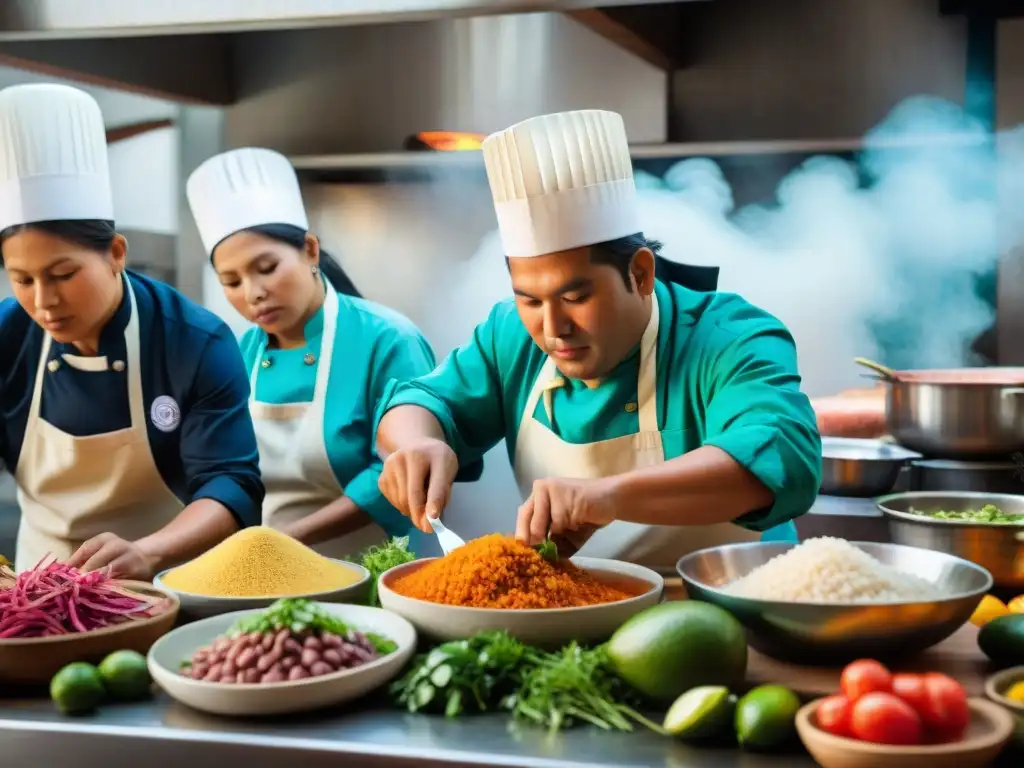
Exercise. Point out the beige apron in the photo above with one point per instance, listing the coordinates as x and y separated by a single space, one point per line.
73 488
294 464
540 453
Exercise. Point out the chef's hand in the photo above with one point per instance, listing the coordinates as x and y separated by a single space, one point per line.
125 559
417 480
558 506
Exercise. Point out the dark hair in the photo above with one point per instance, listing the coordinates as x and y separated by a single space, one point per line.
91 234
294 236
619 253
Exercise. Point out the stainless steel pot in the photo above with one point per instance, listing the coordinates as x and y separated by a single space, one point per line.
966 413
997 548
860 468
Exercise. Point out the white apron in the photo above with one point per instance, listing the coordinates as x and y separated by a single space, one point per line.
73 488
540 453
294 465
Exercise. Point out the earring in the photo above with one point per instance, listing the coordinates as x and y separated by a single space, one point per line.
316 269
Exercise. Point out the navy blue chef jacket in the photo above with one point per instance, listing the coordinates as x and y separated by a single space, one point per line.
187 353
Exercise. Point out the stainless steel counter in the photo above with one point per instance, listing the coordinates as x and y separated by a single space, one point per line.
163 733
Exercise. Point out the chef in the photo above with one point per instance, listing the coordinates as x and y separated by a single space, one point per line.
318 359
123 413
644 419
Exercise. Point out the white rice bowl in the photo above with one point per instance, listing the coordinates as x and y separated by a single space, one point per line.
831 570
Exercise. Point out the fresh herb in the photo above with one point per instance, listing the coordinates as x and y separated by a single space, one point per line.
548 550
378 559
299 615
576 685
493 671
464 676
989 514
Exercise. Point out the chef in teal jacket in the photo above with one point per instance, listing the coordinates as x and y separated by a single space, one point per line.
319 358
644 419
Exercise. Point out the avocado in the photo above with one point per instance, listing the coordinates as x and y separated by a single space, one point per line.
1002 640
672 647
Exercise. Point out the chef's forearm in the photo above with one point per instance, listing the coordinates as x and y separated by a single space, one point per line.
703 487
404 425
339 518
202 524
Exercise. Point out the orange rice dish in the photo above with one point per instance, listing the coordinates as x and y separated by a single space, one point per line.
497 571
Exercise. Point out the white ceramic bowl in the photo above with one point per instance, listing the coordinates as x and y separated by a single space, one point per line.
194 607
540 626
234 699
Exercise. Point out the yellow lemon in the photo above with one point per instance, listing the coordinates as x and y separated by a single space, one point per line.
990 608
1016 605
1016 692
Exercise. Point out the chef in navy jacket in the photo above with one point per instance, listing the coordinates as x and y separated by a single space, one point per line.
123 405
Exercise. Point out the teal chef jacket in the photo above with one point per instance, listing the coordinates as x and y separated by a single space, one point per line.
373 346
727 376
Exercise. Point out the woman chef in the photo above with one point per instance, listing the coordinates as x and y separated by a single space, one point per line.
319 359
126 453
675 413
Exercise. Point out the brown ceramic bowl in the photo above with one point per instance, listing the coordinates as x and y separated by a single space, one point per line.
33 661
990 729
998 684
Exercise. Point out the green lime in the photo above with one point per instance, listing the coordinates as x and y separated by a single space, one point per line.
125 675
670 648
77 688
1002 639
700 713
766 717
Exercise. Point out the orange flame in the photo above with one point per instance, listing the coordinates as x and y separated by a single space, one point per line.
449 141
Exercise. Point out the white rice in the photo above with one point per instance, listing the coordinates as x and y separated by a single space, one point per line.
831 570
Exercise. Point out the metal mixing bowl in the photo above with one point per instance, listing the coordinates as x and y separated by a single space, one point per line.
997 548
831 633
862 468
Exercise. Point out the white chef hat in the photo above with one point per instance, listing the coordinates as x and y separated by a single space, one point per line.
53 156
244 188
562 181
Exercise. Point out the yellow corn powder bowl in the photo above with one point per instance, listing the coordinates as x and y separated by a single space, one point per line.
255 567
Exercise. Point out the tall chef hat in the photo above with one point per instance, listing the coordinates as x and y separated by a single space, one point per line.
53 156
562 181
244 188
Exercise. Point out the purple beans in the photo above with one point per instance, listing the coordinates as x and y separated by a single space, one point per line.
279 656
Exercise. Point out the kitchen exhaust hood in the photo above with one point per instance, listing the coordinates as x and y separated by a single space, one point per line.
194 51
64 19
397 166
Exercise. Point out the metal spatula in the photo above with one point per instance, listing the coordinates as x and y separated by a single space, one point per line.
445 538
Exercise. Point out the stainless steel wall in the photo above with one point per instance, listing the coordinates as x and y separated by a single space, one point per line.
806 69
1010 114
368 88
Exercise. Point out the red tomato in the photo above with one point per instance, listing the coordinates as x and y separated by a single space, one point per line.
945 709
911 689
863 677
833 715
882 718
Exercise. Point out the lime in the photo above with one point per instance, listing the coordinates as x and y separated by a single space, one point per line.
701 712
766 717
1002 639
77 688
125 675
670 648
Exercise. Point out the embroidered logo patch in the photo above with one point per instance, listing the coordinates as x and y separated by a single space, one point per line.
165 414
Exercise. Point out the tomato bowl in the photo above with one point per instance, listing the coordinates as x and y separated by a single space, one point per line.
989 729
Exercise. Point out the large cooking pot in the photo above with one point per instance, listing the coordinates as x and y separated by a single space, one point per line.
961 413
997 548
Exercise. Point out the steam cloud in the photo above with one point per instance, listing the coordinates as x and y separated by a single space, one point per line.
898 237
